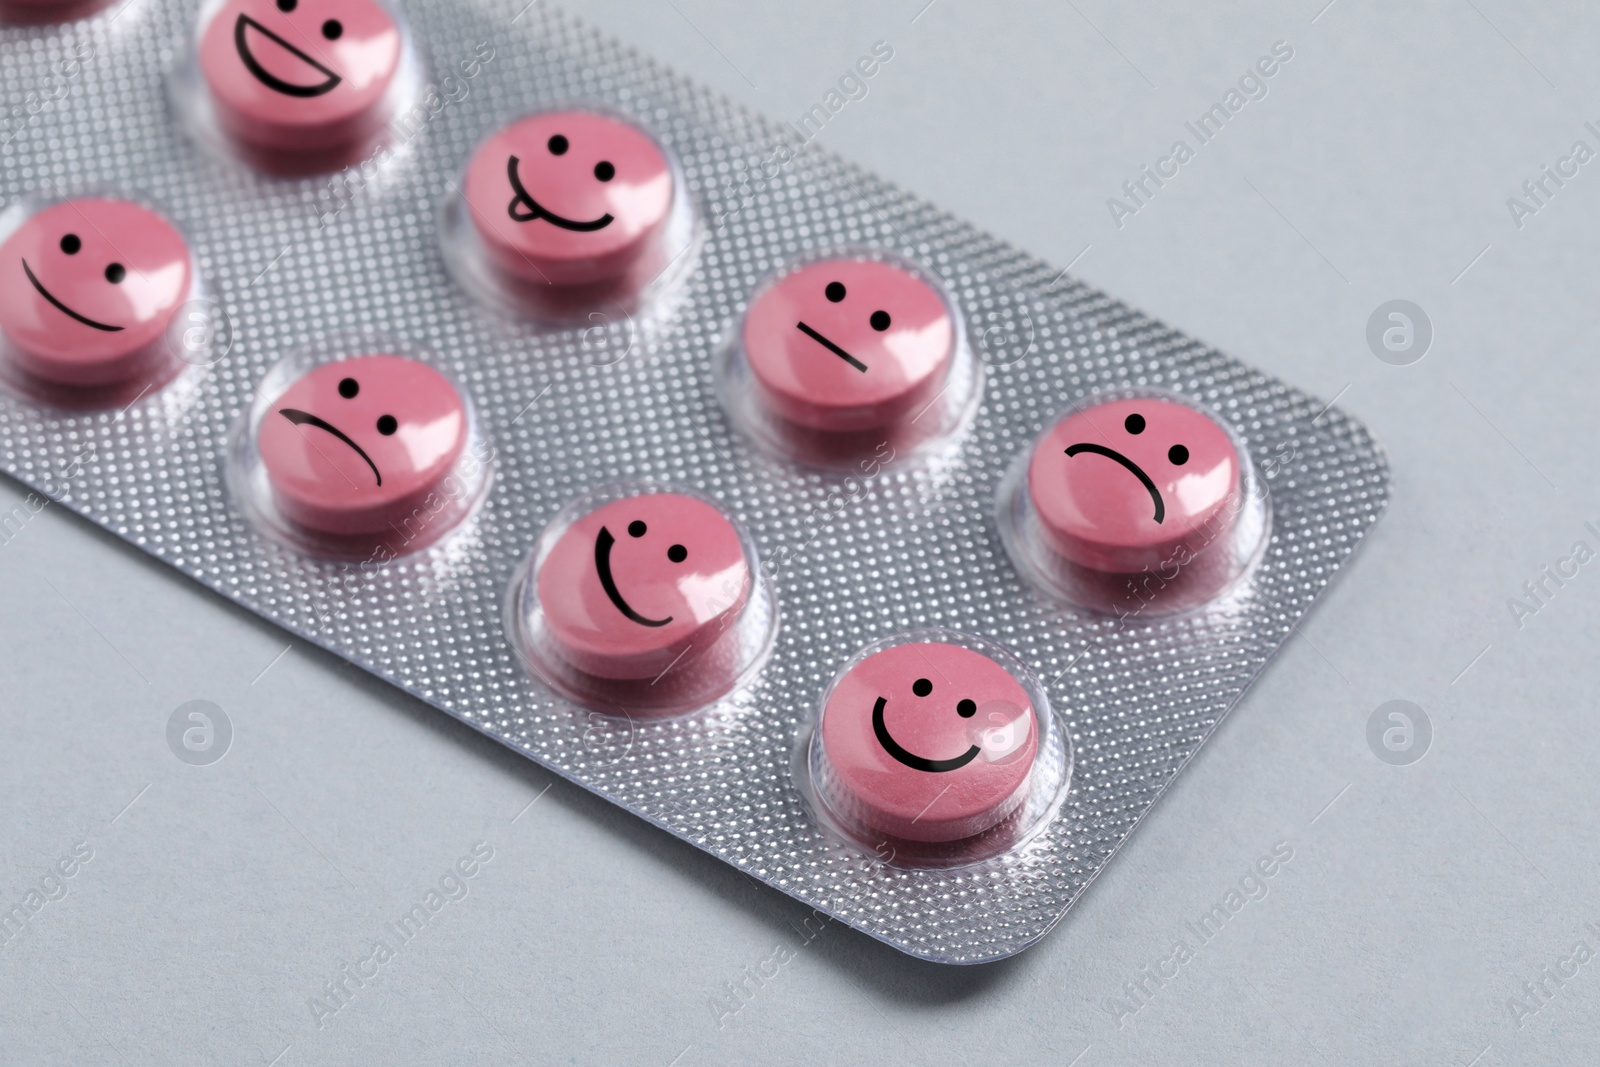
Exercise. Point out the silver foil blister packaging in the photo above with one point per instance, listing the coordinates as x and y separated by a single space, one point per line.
852 555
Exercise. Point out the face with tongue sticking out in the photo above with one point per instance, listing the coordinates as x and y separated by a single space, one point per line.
301 74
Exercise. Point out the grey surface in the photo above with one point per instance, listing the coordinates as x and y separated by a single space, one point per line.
1419 898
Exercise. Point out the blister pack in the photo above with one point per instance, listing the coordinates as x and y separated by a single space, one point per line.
736 485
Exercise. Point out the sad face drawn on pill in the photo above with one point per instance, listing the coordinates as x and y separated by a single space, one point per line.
300 73
1118 483
849 344
88 287
568 197
353 446
638 582
929 741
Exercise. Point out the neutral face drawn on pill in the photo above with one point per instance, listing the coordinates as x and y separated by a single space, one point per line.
966 708
604 542
848 343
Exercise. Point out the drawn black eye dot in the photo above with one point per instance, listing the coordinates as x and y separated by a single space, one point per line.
834 291
332 29
348 388
677 553
604 171
557 145
387 424
1178 454
879 320
1134 423
115 272
636 528
966 709
287 6
70 244
922 687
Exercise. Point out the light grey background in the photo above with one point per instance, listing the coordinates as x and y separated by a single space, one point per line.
1419 900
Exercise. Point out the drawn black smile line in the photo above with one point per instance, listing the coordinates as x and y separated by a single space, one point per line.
305 418
911 759
602 566
59 306
266 77
831 347
1101 450
532 209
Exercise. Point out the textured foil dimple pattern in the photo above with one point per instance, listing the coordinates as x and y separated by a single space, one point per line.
915 546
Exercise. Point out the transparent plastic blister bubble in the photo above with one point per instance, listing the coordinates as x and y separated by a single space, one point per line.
328 424
848 552
295 87
101 300
936 748
1134 502
847 355
572 214
645 599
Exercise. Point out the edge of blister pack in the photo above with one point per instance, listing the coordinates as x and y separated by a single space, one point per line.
897 545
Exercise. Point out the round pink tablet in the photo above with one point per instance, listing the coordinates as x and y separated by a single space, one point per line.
929 741
640 584
301 74
357 446
88 289
1127 484
849 344
569 197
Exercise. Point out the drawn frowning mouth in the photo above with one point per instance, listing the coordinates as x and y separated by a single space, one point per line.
305 418
1101 450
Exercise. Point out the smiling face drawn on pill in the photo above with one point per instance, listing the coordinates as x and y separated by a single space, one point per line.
636 583
355 446
848 344
1118 485
300 73
568 197
929 741
604 542
88 288
966 708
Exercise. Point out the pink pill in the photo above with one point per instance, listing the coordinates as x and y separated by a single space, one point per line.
43 12
1135 483
89 290
643 584
928 742
569 197
358 446
301 74
849 344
